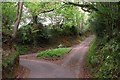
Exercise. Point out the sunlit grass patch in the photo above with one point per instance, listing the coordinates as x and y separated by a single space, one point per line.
57 52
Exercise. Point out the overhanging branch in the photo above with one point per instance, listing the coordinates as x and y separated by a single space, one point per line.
88 6
47 11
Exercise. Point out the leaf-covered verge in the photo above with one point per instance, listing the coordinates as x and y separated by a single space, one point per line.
57 52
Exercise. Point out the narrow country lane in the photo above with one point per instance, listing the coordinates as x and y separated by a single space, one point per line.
76 60
40 69
72 66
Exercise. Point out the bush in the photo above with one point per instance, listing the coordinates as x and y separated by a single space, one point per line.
104 60
29 35
9 60
22 49
91 51
24 35
70 31
9 65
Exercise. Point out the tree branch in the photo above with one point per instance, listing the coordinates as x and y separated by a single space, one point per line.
88 6
47 11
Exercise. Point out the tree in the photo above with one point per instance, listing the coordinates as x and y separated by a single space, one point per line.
8 16
104 52
18 17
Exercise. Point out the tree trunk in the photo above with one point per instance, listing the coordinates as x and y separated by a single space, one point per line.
18 17
35 19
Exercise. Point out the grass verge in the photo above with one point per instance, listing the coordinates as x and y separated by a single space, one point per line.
91 51
57 52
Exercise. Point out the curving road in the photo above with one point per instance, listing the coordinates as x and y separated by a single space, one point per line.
76 60
72 66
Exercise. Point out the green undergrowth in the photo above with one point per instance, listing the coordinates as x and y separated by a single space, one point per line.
57 52
9 60
91 50
104 58
22 49
9 65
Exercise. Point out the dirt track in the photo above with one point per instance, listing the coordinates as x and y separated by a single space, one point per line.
72 66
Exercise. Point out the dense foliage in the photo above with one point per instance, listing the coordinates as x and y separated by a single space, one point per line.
65 21
104 53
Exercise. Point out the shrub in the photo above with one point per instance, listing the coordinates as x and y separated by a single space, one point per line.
22 49
104 60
